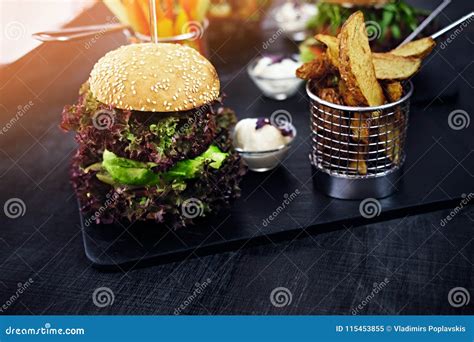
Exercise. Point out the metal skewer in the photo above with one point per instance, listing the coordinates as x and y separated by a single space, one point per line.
425 22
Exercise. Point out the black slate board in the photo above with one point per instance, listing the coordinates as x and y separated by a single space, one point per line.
438 171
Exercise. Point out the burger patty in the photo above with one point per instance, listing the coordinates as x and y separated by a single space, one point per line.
161 138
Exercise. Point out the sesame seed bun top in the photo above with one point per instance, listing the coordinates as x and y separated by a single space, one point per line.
155 78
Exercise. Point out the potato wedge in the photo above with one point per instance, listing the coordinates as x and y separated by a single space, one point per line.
391 67
359 165
332 127
314 70
336 127
390 138
393 91
332 44
346 95
356 66
360 123
419 48
382 61
330 80
332 119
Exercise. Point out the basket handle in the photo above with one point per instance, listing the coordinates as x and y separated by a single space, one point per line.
425 22
453 25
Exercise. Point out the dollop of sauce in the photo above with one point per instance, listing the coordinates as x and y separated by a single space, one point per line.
257 135
276 67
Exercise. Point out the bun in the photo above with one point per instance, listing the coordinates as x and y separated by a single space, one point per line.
154 77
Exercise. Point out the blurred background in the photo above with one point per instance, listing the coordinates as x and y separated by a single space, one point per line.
220 28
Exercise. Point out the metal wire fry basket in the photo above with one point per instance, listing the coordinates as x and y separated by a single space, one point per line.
358 152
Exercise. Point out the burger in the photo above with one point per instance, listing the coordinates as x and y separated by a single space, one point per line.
388 22
153 138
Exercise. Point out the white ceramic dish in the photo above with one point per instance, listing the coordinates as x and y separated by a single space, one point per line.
277 88
262 161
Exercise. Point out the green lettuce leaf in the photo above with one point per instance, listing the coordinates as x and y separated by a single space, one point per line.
306 55
130 172
166 130
188 169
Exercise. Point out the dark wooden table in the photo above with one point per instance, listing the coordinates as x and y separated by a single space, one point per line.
418 258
